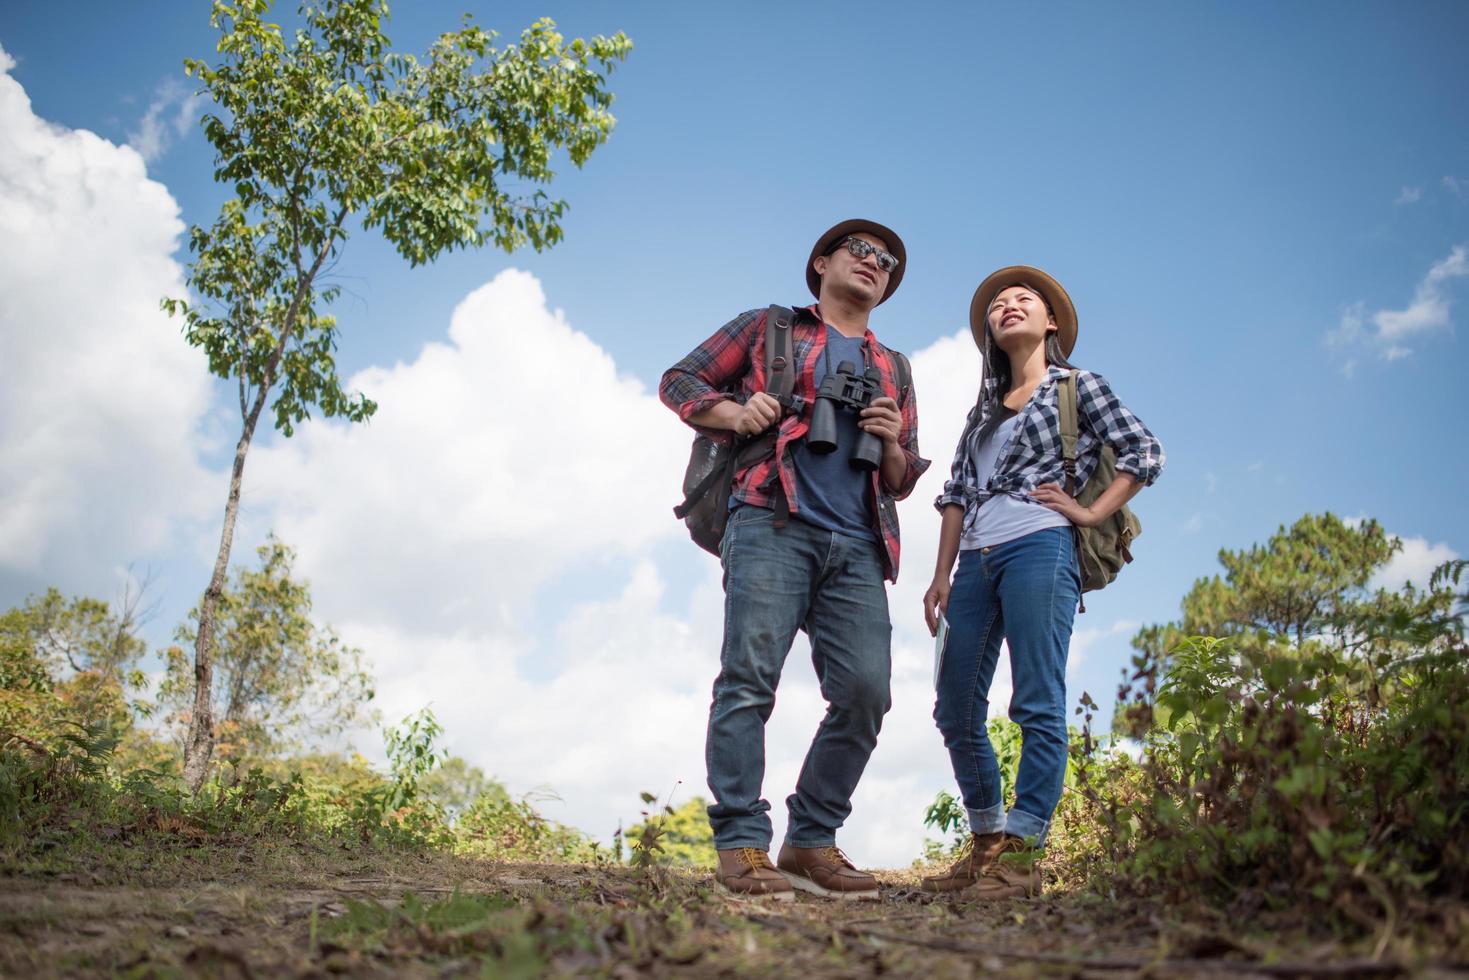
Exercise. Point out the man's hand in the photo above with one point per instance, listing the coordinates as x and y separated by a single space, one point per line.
882 419
757 414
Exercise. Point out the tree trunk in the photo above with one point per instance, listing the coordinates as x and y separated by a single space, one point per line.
199 743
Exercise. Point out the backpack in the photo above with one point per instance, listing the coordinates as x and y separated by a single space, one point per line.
714 460
1101 551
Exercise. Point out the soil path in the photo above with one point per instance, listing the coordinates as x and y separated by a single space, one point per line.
451 918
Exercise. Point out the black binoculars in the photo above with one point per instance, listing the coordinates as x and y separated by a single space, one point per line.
849 391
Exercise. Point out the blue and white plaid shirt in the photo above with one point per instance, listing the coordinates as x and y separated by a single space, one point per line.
1033 454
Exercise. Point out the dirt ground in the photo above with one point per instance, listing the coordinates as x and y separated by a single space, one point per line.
309 912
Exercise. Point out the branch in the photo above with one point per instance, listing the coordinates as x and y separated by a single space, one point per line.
245 366
62 647
35 747
303 283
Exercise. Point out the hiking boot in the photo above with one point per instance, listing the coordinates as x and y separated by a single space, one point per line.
1015 872
747 871
825 871
975 857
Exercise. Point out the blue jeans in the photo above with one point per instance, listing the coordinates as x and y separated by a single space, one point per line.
1025 592
777 581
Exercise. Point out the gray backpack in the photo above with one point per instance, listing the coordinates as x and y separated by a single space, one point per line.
714 460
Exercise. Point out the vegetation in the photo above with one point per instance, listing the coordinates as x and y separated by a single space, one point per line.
280 680
1284 794
1313 751
331 126
673 836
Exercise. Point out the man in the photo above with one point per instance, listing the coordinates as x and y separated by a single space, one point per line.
810 539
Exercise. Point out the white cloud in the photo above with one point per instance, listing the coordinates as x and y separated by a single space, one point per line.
496 462
1430 307
1457 186
495 546
498 539
100 398
168 118
1409 195
1414 563
1388 331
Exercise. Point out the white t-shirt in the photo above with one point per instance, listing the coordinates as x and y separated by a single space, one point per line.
1003 517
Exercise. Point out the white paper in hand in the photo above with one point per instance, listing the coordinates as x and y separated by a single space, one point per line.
940 640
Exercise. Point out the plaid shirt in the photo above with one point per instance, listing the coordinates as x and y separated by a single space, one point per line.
1033 454
731 366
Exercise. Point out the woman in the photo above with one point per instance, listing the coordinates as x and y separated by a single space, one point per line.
1012 526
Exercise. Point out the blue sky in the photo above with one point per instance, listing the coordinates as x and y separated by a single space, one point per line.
1261 211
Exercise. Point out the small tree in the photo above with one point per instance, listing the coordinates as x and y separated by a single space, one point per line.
71 661
456 784
1310 583
281 677
679 835
330 127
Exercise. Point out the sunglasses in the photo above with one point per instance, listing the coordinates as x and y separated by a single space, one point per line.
886 261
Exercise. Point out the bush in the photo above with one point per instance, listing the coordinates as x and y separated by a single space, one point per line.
1294 773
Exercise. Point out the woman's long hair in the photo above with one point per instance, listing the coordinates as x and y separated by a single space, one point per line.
997 366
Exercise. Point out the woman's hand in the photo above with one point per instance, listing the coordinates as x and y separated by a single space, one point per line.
935 599
1051 495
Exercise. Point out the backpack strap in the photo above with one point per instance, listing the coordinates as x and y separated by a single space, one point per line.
780 383
780 373
902 372
1066 408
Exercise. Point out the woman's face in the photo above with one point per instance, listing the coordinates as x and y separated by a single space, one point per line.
1018 318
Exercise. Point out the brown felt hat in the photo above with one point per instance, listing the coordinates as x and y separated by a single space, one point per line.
1055 295
837 232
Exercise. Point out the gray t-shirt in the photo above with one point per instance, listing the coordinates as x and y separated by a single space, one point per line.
833 495
1003 517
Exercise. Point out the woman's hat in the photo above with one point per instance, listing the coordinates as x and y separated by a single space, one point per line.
1055 295
836 233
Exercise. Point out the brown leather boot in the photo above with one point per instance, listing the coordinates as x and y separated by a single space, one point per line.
975 857
1015 872
747 872
827 872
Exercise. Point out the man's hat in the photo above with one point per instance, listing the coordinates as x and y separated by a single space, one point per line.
1051 291
836 233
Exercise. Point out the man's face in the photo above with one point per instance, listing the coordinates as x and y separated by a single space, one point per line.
1019 313
860 280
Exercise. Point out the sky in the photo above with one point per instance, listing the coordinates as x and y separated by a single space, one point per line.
1261 211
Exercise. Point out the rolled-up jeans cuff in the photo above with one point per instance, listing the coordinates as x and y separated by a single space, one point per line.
990 820
1022 824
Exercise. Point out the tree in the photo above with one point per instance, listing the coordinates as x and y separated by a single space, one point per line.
71 660
281 677
332 126
1309 584
682 834
455 785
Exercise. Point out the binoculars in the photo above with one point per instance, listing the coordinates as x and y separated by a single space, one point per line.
851 392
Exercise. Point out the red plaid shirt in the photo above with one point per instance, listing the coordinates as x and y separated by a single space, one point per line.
731 365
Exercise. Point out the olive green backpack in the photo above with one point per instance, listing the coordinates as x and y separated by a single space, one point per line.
1101 551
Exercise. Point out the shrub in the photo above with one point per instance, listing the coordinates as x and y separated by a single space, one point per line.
1295 773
